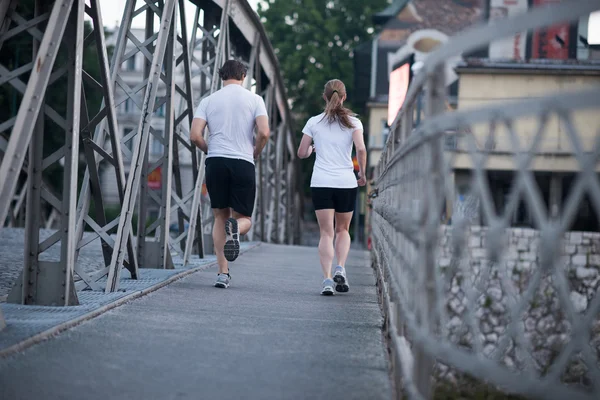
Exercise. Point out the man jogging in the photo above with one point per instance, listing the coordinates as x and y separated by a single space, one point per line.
230 114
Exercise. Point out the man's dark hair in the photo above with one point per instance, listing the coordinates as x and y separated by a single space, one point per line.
232 69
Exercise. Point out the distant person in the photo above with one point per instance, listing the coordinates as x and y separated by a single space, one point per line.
334 185
230 114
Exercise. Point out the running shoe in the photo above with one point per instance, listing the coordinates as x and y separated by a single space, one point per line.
232 243
223 281
327 287
339 277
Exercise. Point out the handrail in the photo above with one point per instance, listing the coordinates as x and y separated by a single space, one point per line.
434 277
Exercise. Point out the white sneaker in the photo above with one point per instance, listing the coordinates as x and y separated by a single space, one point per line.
339 277
327 287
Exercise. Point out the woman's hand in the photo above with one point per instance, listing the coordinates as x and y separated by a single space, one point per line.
362 181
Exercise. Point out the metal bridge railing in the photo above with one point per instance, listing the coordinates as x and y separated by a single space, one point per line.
179 69
436 308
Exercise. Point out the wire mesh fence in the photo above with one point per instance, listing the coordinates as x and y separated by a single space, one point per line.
516 307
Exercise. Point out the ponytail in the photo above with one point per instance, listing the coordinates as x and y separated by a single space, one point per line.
334 110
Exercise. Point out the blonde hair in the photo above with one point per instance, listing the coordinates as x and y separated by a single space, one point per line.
335 90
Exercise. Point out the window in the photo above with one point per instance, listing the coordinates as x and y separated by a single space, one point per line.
385 131
127 106
450 141
161 110
131 63
157 146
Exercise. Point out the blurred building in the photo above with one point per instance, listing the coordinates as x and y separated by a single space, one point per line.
553 59
425 22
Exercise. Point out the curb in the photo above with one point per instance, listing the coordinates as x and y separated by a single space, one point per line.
49 333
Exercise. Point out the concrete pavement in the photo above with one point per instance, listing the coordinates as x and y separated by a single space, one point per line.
269 336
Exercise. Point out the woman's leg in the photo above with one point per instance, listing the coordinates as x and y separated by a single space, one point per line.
342 236
325 219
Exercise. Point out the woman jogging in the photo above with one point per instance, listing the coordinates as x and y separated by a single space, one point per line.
333 184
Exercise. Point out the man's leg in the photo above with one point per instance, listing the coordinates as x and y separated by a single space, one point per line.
243 192
218 234
244 222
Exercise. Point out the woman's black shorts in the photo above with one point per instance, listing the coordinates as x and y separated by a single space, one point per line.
340 200
231 183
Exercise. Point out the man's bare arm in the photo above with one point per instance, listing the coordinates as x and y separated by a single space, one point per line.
262 134
197 134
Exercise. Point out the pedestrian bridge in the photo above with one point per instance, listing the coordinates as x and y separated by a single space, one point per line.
98 304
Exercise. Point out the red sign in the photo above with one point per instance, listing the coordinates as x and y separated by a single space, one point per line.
550 42
154 179
399 80
355 163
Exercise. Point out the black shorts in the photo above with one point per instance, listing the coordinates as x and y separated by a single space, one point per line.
231 183
340 200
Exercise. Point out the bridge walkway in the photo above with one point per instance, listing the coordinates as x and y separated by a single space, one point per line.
271 335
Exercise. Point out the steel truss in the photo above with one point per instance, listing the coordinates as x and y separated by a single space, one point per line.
173 62
412 180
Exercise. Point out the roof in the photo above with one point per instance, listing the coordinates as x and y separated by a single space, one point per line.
390 12
447 16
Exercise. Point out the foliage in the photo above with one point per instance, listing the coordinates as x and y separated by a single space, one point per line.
314 41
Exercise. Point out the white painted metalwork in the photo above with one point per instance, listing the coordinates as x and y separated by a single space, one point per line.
412 180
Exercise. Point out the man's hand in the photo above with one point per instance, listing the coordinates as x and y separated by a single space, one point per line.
362 181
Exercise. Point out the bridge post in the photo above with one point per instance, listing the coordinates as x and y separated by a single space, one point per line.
106 134
141 146
184 115
271 166
42 281
260 209
253 67
435 103
155 251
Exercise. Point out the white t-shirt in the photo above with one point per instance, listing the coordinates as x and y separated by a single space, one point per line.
231 114
333 145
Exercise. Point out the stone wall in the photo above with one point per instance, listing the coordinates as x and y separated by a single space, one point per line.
543 327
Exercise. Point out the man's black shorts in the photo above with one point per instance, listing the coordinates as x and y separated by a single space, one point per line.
340 200
231 183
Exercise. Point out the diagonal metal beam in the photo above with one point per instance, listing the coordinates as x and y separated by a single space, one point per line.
31 103
139 152
96 145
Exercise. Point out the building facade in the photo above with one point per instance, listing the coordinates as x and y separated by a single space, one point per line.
554 163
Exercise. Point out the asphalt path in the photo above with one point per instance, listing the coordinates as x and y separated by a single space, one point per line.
271 335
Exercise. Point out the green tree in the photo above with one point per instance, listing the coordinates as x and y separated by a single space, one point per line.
314 42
